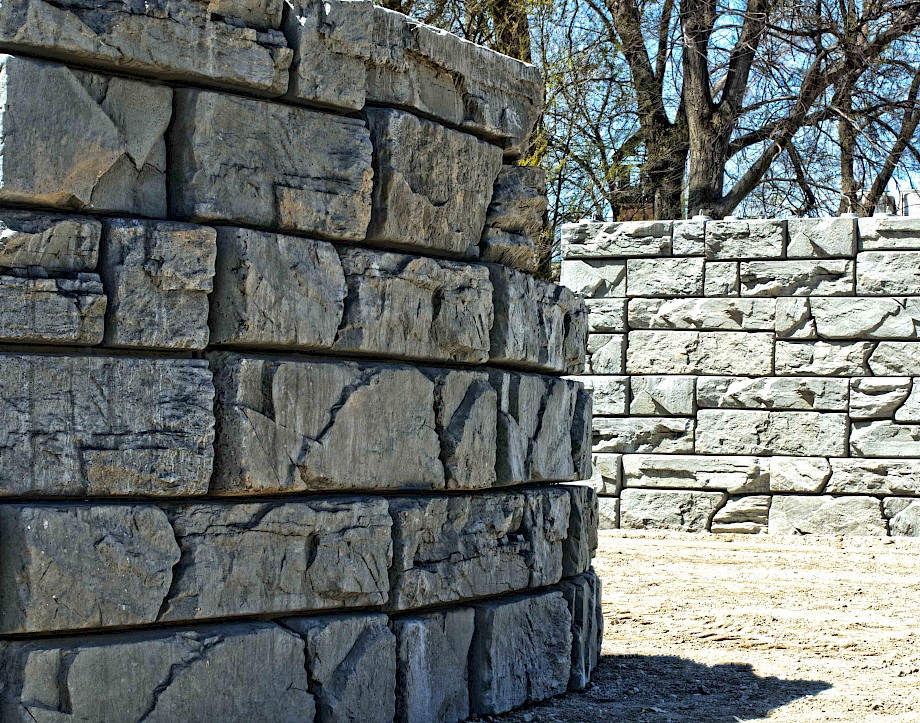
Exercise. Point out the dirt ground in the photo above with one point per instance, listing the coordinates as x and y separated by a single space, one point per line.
725 628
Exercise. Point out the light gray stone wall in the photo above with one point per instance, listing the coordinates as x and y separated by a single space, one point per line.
753 376
284 428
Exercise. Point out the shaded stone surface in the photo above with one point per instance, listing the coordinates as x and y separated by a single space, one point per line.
682 510
799 474
605 354
815 394
903 516
823 358
761 239
748 515
514 219
884 273
699 352
664 277
703 314
594 279
583 596
580 542
797 278
814 238
661 395
826 515
52 311
874 476
610 394
54 243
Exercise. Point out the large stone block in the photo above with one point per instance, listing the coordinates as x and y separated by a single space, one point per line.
594 279
432 678
895 359
82 140
350 665
699 352
797 278
644 434
760 432
606 315
52 311
689 238
538 324
664 277
580 543
903 516
823 358
662 395
243 671
606 354
884 439
881 232
703 314
821 238
432 185
610 394
157 276
598 240
735 475
794 319
885 273
463 547
826 515
607 474
799 474
608 513
861 318
748 515
514 220
877 397
230 44
268 165
721 278
685 511
760 239
521 652
583 596
810 394
853 476
56 244
76 426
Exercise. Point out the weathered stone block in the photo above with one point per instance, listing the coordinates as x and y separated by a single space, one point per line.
903 516
750 432
884 439
538 324
644 434
735 475
599 240
514 220
186 40
809 394
799 474
861 318
594 279
699 352
607 474
83 141
745 239
885 273
583 596
580 543
664 277
797 278
821 238
610 394
703 314
685 511
521 652
52 311
606 354
608 513
243 671
877 397
721 278
287 168
76 426
854 476
826 515
794 319
432 185
880 232
662 396
606 315
823 358
895 358
689 238
158 276
56 244
910 410
747 515
351 666
463 547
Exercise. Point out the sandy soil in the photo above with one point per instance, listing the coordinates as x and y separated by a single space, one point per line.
740 628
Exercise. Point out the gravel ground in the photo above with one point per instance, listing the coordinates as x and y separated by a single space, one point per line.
742 628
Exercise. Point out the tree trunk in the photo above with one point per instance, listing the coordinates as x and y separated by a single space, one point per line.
511 27
708 157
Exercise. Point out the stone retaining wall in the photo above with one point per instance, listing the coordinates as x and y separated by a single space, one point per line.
281 403
753 376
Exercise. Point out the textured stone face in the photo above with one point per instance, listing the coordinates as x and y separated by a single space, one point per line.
610 394
699 352
644 434
821 238
685 511
82 140
288 169
52 311
608 513
432 185
184 40
431 666
877 397
703 314
721 278
796 278
606 315
799 474
157 277
756 432
793 319
605 354
351 664
884 439
811 394
520 652
662 395
895 358
246 670
607 478
826 515
56 244
736 475
594 279
78 426
583 596
874 476
745 515
580 543
514 220
855 318
664 277
879 232
745 239
884 273
904 516
689 238
823 358
621 240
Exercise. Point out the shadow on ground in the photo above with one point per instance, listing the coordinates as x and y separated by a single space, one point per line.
660 688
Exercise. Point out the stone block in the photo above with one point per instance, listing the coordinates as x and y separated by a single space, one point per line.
286 169
877 397
52 311
799 474
514 220
685 511
538 324
882 233
594 279
862 318
759 432
157 276
735 475
607 474
521 652
583 596
903 516
606 315
748 515
910 410
667 396
228 44
884 439
240 671
853 476
699 352
629 435
582 434
833 277
781 393
826 515
608 513
90 426
350 665
454 548
821 238
794 319
823 358
580 543
610 394
430 72
664 277
432 678
703 314
729 240
887 273
83 140
606 354
895 358
721 278
56 244
689 238
599 240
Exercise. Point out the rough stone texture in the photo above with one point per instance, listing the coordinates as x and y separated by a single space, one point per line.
286 168
884 273
594 279
826 515
54 243
760 432
661 396
644 434
607 474
432 678
351 666
877 397
608 513
689 238
797 278
537 324
514 220
52 311
99 425
745 239
721 278
745 515
610 394
910 410
616 240
685 511
889 233
664 277
823 358
459 548
821 238
794 320
242 671
699 352
799 474
884 439
735 475
605 354
580 543
903 517
606 315
185 40
702 314
856 318
810 394
520 652
583 596
895 358
78 140
874 476
157 277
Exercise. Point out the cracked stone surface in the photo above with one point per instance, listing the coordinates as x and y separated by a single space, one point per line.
583 596
594 279
78 140
873 476
605 354
735 475
432 185
98 425
157 276
621 240
180 40
609 394
514 219
797 278
884 439
884 273
799 474
745 239
806 393
662 395
580 542
644 434
664 277
880 232
221 672
703 314
699 352
351 666
721 278
268 165
52 311
606 315
826 515
903 516
823 358
683 510
861 318
762 432
794 319
689 238
819 238
54 243
895 358
877 397
520 652
748 515
447 549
